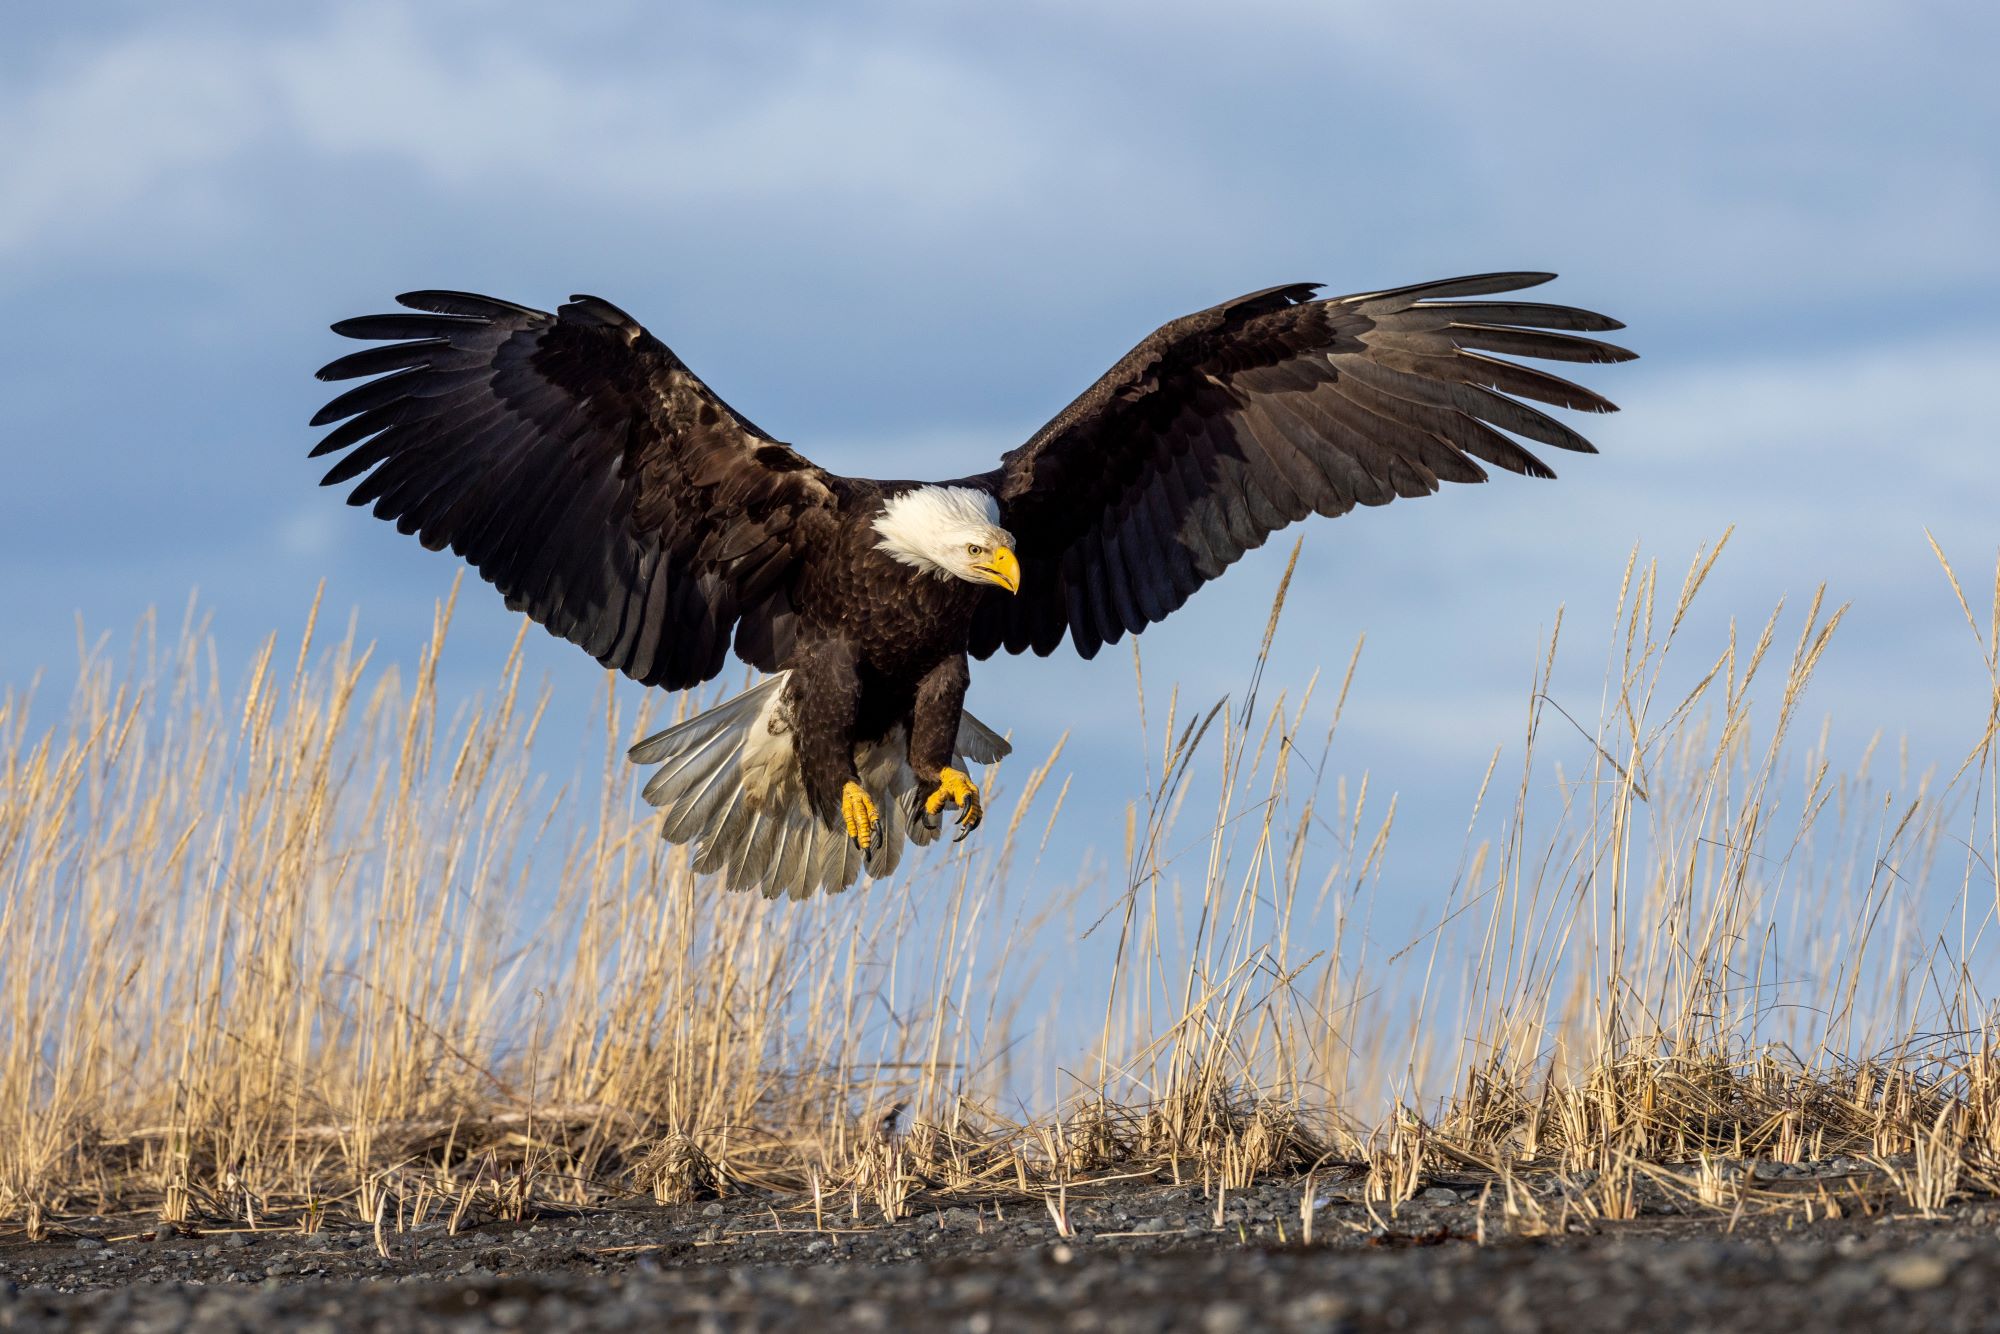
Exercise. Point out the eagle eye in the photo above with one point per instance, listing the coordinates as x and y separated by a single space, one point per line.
974 549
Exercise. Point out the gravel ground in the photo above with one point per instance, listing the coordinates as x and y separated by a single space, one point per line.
1143 1256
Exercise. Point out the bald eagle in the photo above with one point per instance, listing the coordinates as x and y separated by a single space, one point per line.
612 496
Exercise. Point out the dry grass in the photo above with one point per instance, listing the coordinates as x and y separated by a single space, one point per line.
304 948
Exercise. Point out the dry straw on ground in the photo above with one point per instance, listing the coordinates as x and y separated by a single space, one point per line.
304 948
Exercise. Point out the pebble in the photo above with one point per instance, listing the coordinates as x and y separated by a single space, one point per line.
1317 1308
1438 1195
1224 1318
1915 1271
977 1289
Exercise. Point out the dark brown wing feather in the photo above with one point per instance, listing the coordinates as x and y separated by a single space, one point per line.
583 469
1225 425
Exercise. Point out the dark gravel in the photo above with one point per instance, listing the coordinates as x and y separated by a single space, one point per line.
1144 1256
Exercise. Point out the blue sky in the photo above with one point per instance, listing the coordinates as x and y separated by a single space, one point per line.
901 235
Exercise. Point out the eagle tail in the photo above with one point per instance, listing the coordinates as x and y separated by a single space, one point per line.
729 784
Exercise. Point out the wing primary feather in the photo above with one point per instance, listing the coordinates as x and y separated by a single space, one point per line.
1460 430
1507 413
1528 314
466 303
356 429
374 394
359 461
1528 382
397 326
1476 284
375 360
1536 343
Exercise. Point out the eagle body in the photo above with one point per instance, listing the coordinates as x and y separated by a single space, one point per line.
608 493
880 646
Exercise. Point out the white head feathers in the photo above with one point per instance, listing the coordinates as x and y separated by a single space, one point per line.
946 530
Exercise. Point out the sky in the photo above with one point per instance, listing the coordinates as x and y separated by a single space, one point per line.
902 235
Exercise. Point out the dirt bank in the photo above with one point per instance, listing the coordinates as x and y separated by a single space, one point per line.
1142 1256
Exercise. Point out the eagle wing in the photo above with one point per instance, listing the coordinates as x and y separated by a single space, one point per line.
1226 425
579 466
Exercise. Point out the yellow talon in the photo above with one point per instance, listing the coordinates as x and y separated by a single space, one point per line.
957 790
864 822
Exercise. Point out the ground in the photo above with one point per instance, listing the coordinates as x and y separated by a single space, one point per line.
1142 1255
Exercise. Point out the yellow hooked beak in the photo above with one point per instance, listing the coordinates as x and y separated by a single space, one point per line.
1002 568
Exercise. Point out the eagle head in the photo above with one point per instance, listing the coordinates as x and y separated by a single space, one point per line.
952 532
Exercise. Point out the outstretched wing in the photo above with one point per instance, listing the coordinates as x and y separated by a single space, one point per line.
1226 425
583 469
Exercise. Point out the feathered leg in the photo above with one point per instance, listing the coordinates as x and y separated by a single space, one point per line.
933 739
824 695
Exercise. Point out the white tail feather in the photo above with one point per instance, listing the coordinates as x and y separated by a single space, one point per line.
729 783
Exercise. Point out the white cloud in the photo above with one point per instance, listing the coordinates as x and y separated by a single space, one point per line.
1842 446
96 136
823 112
161 113
1708 161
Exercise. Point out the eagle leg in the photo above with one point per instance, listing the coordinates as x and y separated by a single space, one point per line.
863 820
955 788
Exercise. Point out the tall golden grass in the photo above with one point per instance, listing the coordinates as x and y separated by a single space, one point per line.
305 945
